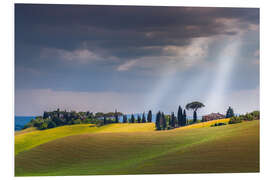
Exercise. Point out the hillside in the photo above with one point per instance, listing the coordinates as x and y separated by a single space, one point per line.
31 137
127 149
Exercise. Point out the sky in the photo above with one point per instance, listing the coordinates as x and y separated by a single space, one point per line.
135 58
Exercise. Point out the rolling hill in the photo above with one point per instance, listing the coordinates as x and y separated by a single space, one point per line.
137 149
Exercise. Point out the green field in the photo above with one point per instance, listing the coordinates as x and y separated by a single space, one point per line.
137 149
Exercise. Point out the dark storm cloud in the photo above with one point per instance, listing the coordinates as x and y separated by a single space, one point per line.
119 30
132 57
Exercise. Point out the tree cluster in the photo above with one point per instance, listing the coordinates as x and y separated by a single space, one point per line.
230 112
140 119
59 118
165 122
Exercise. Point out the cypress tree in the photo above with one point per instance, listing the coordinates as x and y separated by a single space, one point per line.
116 117
149 116
173 120
179 117
104 120
132 118
139 119
170 121
124 118
143 118
194 117
164 122
184 118
158 118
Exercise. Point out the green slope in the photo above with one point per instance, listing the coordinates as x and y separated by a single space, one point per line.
230 148
29 138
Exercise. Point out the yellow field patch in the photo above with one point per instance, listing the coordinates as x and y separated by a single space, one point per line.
206 124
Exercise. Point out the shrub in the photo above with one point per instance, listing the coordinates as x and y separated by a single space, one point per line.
218 124
77 121
256 115
51 124
43 126
234 120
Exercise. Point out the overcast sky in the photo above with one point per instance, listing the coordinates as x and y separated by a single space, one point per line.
102 58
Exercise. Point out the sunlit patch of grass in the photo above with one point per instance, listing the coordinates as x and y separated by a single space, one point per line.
128 127
205 124
25 131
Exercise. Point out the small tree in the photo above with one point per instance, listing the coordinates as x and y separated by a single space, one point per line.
143 118
179 117
229 112
149 116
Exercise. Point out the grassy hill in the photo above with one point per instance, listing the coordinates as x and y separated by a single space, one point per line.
138 149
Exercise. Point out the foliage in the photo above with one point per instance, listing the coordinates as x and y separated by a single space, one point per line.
59 118
255 115
194 105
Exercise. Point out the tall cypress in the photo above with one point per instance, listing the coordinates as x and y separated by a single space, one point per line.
179 117
104 120
170 121
158 118
184 118
132 118
116 117
149 116
143 118
173 120
124 118
164 122
139 120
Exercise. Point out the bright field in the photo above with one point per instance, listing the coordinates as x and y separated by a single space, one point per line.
138 149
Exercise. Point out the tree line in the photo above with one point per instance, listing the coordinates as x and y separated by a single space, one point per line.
162 121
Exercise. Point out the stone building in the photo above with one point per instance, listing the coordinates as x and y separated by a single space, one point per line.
212 116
